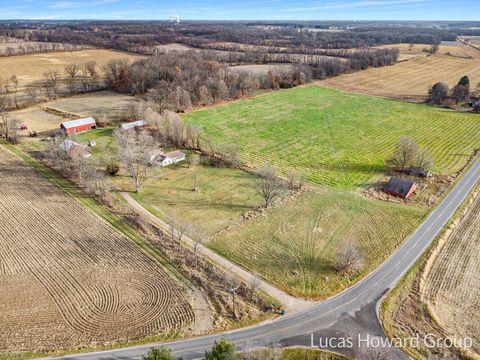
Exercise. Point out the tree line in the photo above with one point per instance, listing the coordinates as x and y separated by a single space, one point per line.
178 80
440 93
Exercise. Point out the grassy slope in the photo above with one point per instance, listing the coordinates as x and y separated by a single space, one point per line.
294 245
289 129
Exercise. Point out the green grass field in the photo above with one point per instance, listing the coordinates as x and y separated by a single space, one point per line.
294 245
336 138
223 195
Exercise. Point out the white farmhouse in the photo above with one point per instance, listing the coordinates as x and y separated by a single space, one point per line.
172 157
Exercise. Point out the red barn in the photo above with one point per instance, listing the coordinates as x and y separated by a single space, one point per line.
400 187
78 126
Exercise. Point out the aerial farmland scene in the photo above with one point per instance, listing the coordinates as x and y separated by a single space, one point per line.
255 180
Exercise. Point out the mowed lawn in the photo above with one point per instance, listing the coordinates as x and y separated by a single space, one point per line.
336 138
294 245
223 195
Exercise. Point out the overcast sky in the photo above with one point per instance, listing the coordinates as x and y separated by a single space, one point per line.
242 10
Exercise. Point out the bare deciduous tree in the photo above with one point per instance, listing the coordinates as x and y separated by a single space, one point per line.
134 152
72 74
33 92
52 79
348 258
404 154
178 226
232 155
198 236
295 181
269 187
8 127
424 160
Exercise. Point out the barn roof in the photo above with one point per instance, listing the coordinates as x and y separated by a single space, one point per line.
399 186
78 122
133 124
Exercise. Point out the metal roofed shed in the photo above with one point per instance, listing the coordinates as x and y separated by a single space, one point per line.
78 126
400 187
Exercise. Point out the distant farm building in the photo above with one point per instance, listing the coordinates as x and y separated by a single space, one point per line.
78 126
74 150
400 187
134 125
169 158
420 172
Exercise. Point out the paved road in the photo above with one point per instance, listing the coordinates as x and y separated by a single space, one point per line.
290 303
349 313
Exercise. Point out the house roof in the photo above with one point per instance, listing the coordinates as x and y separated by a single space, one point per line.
399 186
78 122
67 144
133 124
175 154
78 151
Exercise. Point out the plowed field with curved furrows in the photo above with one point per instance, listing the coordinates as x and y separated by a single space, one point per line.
67 278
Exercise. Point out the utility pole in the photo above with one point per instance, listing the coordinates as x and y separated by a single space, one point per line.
233 291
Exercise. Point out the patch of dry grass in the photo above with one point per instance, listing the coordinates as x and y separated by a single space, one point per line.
30 68
411 79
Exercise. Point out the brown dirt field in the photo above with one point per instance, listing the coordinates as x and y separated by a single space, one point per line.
105 105
261 69
452 288
442 296
456 49
176 47
474 40
410 80
30 68
68 279
44 123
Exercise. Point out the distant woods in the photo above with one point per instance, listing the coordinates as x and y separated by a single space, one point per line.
303 38
14 47
179 80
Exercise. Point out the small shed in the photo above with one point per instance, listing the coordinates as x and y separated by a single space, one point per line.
134 125
420 172
400 187
78 126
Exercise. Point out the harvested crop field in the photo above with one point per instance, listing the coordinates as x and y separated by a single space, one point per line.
293 245
441 297
336 138
30 68
452 289
261 69
68 279
105 106
411 79
410 51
